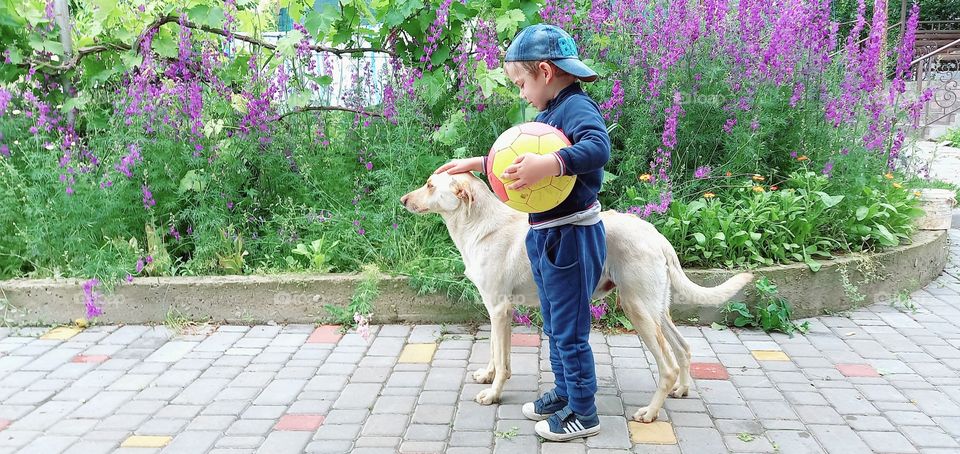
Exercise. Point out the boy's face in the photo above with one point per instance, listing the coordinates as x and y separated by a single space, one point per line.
533 87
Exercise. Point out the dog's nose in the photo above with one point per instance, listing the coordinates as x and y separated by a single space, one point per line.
403 200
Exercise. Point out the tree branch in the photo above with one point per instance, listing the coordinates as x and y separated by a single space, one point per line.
156 24
328 108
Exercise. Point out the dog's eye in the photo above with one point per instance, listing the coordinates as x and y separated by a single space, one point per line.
429 185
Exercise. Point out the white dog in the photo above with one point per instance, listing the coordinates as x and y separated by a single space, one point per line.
641 264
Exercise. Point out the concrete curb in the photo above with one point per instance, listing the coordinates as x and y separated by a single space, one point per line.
300 298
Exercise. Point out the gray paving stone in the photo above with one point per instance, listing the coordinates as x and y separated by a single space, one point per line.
433 414
422 447
756 443
280 392
337 432
250 442
385 425
330 447
613 434
892 442
839 439
473 416
377 442
520 443
471 438
427 432
358 396
700 440
930 437
285 441
346 416
868 423
191 442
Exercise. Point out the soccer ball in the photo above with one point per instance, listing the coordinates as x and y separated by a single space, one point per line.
533 137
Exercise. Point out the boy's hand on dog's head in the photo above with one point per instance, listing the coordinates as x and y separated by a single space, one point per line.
530 168
461 166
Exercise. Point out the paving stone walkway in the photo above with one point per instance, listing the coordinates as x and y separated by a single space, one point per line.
885 378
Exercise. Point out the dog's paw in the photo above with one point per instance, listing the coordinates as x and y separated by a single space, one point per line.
645 414
680 390
484 376
487 397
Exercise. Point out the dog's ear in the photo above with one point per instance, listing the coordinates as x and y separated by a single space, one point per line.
463 191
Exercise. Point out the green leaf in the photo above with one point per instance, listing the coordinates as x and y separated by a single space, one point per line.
165 46
401 11
829 200
717 326
318 22
449 132
77 102
207 15
322 81
887 238
861 213
191 182
720 236
299 99
287 45
440 55
813 265
701 239
490 79
507 22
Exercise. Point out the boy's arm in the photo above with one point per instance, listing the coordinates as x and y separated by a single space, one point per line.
477 164
591 143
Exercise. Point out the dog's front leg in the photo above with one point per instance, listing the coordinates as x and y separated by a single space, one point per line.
485 375
500 315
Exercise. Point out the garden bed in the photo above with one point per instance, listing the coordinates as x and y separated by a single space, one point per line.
841 284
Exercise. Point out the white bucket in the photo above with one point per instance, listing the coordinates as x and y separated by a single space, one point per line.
938 207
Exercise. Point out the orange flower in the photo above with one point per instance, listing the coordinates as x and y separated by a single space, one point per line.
709 195
645 177
916 193
888 176
773 188
728 173
802 158
758 178
758 189
898 185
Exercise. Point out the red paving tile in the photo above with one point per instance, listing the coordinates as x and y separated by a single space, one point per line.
299 422
325 334
857 370
709 371
525 340
89 358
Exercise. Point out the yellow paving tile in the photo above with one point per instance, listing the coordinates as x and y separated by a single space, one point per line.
657 432
145 441
61 333
417 353
770 355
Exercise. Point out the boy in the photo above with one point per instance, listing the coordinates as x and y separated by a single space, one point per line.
566 245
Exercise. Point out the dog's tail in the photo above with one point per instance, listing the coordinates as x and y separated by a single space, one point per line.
689 292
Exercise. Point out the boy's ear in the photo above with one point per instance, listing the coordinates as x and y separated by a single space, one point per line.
545 69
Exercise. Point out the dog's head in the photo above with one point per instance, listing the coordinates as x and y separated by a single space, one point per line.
442 193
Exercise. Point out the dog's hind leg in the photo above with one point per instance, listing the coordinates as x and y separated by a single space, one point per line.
652 335
500 318
681 351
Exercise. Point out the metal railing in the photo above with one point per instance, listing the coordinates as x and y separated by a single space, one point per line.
939 71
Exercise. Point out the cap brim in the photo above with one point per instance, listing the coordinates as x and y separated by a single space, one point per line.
577 68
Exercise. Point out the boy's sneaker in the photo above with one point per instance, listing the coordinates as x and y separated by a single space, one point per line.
566 425
542 408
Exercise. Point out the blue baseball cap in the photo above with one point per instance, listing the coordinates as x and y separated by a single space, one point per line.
548 42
